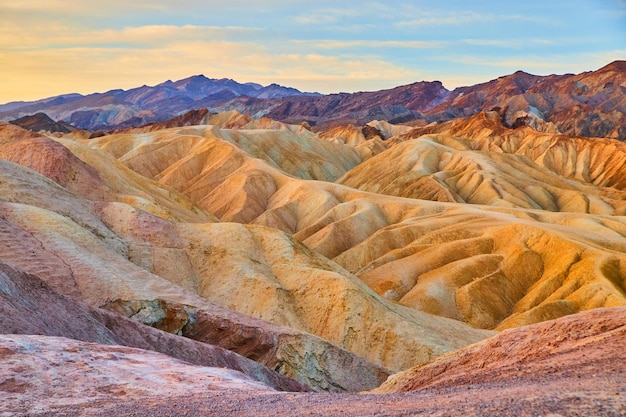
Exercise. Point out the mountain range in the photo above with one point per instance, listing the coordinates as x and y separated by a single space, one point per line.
591 104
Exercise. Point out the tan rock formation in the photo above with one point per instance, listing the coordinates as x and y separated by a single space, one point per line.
74 261
310 360
442 259
203 162
102 251
481 162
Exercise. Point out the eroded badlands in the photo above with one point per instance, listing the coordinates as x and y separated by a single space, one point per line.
310 261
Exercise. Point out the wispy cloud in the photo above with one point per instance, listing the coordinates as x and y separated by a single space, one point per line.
330 44
438 19
507 43
327 16
428 17
80 6
59 36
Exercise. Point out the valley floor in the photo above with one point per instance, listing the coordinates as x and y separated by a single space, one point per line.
590 396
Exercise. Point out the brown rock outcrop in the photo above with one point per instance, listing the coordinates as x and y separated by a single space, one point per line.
312 361
583 346
42 122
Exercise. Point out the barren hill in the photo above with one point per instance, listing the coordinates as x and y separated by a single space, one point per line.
138 240
576 347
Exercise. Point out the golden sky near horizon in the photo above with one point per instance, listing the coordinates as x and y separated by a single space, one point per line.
54 47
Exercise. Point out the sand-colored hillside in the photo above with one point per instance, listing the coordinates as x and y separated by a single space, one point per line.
101 251
479 161
489 267
528 253
206 162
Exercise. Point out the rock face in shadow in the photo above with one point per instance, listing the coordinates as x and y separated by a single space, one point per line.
42 122
320 365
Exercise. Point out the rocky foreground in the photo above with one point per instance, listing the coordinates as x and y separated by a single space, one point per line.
571 366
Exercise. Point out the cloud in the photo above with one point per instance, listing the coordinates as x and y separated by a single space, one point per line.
59 36
349 44
81 6
326 16
507 43
425 17
433 19
58 60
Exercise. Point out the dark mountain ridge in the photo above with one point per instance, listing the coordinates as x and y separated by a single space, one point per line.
41 122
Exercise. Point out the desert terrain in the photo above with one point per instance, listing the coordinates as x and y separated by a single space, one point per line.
224 264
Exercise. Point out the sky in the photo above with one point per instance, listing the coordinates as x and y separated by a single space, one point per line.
52 47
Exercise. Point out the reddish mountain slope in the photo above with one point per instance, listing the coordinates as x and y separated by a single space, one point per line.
588 104
575 349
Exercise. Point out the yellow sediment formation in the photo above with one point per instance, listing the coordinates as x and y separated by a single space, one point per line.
379 252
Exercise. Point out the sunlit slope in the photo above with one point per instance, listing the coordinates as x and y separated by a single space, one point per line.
487 266
478 161
209 164
99 251
514 259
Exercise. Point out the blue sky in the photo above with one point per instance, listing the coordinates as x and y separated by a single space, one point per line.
50 47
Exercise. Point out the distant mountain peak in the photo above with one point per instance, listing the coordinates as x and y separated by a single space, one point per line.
42 122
